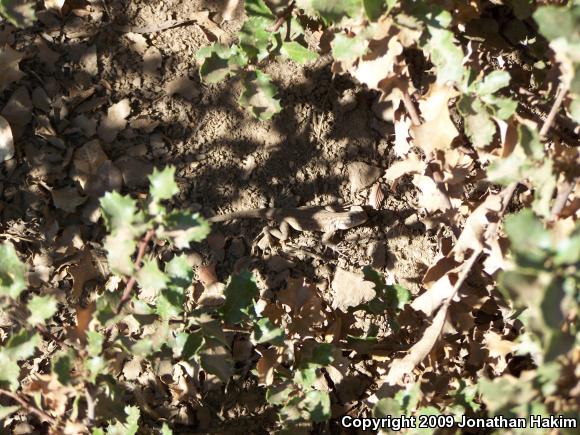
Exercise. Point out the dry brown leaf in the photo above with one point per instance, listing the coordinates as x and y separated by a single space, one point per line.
84 317
498 349
350 289
362 175
9 69
376 196
182 86
438 131
152 61
207 274
18 111
84 269
430 196
411 165
55 396
373 72
67 199
402 135
54 4
115 121
6 141
266 364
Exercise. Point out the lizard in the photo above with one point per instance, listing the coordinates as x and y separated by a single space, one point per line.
310 218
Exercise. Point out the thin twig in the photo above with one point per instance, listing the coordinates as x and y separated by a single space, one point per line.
562 90
567 187
411 110
131 283
28 407
283 17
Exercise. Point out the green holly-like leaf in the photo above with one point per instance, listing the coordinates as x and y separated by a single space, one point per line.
120 246
19 347
334 11
170 302
559 22
445 54
259 95
188 345
348 49
298 53
21 13
62 365
95 341
219 61
41 308
6 411
374 8
184 228
179 269
118 211
492 83
479 126
151 280
528 237
266 332
256 38
317 405
163 185
387 407
240 293
258 9
165 430
12 272
131 425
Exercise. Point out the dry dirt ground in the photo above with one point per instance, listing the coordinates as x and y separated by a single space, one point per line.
92 93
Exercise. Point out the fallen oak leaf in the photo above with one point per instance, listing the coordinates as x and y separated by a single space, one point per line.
6 140
350 290
9 66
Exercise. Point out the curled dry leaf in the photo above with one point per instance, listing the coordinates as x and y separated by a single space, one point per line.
115 121
376 196
6 141
9 69
438 131
411 165
350 289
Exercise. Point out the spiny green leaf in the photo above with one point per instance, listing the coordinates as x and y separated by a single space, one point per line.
298 53
479 126
5 411
151 279
21 346
317 405
21 13
120 246
10 372
334 11
95 341
41 308
165 430
387 407
559 22
131 425
374 8
183 228
62 365
191 344
266 332
240 293
12 272
493 82
118 211
346 48
258 8
446 55
163 185
259 95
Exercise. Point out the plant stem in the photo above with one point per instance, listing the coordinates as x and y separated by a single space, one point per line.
562 90
28 407
411 110
131 283
283 16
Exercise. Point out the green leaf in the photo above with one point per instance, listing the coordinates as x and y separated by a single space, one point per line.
479 126
387 407
258 8
374 8
558 22
256 38
445 54
21 346
529 239
184 228
214 69
62 365
240 293
266 332
120 246
493 82
10 372
348 49
531 142
503 107
41 308
95 341
5 411
575 110
21 13
259 95
166 430
317 405
151 280
163 185
131 425
12 272
118 211
179 268
334 11
298 53
192 344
